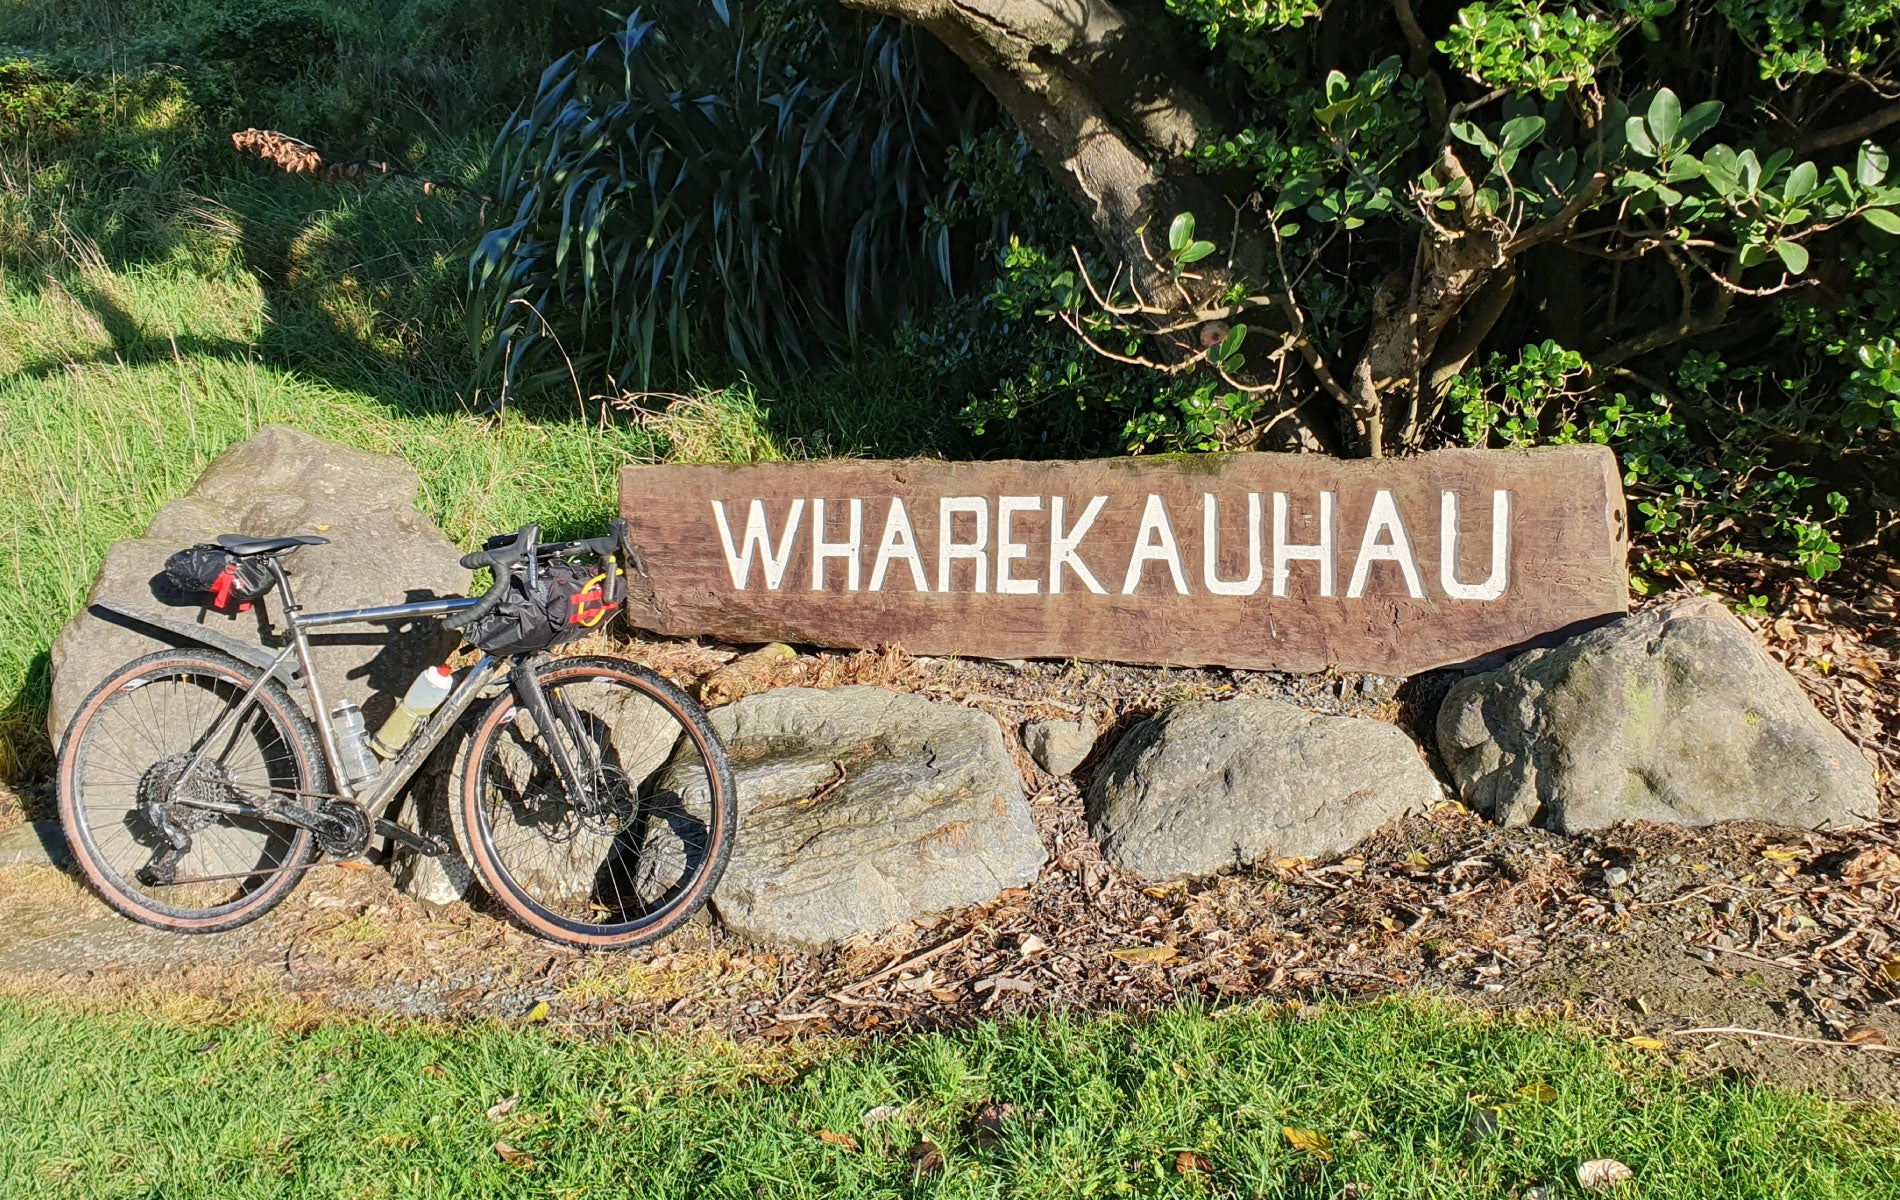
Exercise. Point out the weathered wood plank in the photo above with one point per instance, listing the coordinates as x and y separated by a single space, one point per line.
737 553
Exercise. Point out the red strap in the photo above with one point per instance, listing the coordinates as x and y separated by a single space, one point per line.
221 590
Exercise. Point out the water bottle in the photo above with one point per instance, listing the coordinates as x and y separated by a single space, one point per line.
425 695
352 743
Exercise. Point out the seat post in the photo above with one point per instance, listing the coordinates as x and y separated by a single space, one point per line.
283 586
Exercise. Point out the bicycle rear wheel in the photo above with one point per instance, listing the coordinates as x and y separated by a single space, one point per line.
126 814
641 854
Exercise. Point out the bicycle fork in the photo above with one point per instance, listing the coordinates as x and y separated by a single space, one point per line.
559 734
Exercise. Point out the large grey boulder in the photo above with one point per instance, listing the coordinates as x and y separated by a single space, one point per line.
862 808
382 551
1205 786
1676 714
282 481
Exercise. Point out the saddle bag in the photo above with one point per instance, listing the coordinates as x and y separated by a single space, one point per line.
571 598
228 583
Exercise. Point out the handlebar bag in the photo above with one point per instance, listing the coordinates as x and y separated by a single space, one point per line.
226 581
570 599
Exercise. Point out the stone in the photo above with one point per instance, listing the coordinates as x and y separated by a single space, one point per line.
862 809
1059 746
1206 786
1676 715
283 481
34 844
382 551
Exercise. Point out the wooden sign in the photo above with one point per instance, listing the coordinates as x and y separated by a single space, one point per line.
1297 562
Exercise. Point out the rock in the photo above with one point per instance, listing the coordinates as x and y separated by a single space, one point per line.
282 481
1206 786
745 675
1674 715
34 844
382 551
1059 746
861 809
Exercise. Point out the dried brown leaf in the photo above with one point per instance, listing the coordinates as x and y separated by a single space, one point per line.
843 1141
515 1158
926 1158
1601 1174
1189 1163
502 1108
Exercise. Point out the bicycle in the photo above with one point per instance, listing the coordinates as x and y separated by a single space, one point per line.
595 801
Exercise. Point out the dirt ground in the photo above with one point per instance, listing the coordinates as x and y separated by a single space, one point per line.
1646 932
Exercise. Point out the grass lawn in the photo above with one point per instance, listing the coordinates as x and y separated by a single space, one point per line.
1182 1105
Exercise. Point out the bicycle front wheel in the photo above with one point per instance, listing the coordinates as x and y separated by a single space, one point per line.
640 852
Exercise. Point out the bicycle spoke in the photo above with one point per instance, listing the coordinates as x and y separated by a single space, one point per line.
128 777
636 845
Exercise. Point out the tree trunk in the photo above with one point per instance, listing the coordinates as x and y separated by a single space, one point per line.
1101 92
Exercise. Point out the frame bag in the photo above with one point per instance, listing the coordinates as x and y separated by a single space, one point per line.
571 598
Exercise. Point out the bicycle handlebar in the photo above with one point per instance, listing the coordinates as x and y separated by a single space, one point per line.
503 552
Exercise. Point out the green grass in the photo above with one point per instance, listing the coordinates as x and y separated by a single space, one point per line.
104 1105
161 298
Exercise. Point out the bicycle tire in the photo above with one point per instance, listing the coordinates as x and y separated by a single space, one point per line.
486 792
84 787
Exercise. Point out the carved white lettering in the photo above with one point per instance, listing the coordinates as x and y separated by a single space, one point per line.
1499 577
1285 551
1154 543
1210 548
1384 519
847 550
1007 550
949 549
1062 546
899 541
757 537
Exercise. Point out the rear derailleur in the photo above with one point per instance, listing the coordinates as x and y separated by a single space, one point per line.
174 808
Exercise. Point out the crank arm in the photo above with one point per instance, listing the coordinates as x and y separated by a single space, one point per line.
423 844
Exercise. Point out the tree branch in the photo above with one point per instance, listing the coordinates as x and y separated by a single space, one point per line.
1852 131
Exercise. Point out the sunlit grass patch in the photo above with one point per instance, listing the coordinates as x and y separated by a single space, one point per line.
1381 1099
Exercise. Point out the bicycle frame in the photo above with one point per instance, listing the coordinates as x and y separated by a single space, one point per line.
384 787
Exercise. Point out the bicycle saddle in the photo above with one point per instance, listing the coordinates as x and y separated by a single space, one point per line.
246 547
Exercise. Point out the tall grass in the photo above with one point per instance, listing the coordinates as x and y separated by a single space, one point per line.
91 446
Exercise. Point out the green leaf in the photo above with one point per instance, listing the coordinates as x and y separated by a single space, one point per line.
1800 182
1683 167
1871 165
1230 344
1337 85
1468 132
1665 117
1181 232
1793 255
1195 252
1700 119
1639 137
1883 219
1753 255
1519 132
1722 169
